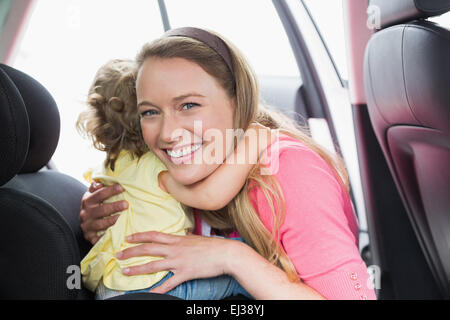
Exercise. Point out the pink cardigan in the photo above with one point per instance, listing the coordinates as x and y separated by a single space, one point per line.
320 231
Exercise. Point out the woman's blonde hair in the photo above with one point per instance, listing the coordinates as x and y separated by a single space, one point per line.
112 120
242 86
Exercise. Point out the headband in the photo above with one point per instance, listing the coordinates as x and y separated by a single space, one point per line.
211 40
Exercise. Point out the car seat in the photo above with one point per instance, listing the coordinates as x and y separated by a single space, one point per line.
40 208
42 239
407 78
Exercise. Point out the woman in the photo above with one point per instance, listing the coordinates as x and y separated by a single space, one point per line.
298 220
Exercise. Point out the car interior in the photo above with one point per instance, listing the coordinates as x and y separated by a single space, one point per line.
399 103
405 76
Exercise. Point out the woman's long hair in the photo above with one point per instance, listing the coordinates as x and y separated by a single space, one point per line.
240 214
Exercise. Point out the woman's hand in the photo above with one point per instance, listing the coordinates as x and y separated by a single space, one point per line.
94 215
181 254
194 257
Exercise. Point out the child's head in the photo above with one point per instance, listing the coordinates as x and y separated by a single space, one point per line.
112 121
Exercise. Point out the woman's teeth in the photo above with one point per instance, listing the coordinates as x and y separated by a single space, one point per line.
183 152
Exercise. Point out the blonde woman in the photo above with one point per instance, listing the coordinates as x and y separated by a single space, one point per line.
296 216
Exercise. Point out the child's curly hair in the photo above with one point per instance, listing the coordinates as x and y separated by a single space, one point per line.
112 120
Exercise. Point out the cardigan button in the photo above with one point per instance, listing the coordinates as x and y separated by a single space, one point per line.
353 276
357 286
363 297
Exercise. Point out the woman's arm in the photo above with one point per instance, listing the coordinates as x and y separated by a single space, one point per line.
218 256
275 284
219 188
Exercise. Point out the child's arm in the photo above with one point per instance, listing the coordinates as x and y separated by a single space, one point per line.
219 188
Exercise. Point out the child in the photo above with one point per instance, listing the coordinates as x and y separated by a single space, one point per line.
113 124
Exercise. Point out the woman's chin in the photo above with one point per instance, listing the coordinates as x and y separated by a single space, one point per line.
188 174
186 177
187 170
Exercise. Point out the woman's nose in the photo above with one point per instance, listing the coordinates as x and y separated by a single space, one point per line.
171 130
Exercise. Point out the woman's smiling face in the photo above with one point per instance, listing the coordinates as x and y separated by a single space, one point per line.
181 107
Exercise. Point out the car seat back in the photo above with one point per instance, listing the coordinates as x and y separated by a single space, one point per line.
40 225
407 77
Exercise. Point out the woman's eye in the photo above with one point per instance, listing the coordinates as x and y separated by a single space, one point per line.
189 105
149 113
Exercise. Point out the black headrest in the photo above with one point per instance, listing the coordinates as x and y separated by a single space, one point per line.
14 129
407 76
29 124
400 11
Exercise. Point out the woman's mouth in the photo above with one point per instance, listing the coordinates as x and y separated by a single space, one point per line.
182 154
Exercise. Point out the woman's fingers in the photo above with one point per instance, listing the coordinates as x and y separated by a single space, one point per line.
103 224
106 209
188 257
92 237
92 222
96 216
100 195
168 285
153 236
95 186
92 227
151 267
146 249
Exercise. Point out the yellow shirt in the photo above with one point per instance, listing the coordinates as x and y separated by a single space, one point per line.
150 209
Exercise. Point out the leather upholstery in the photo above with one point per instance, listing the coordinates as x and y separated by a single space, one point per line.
399 11
40 225
407 77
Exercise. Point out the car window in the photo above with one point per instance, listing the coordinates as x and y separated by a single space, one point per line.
65 42
442 20
5 6
326 16
329 18
252 25
63 45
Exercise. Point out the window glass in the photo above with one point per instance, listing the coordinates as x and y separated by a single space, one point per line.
442 20
64 45
328 16
252 25
5 6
